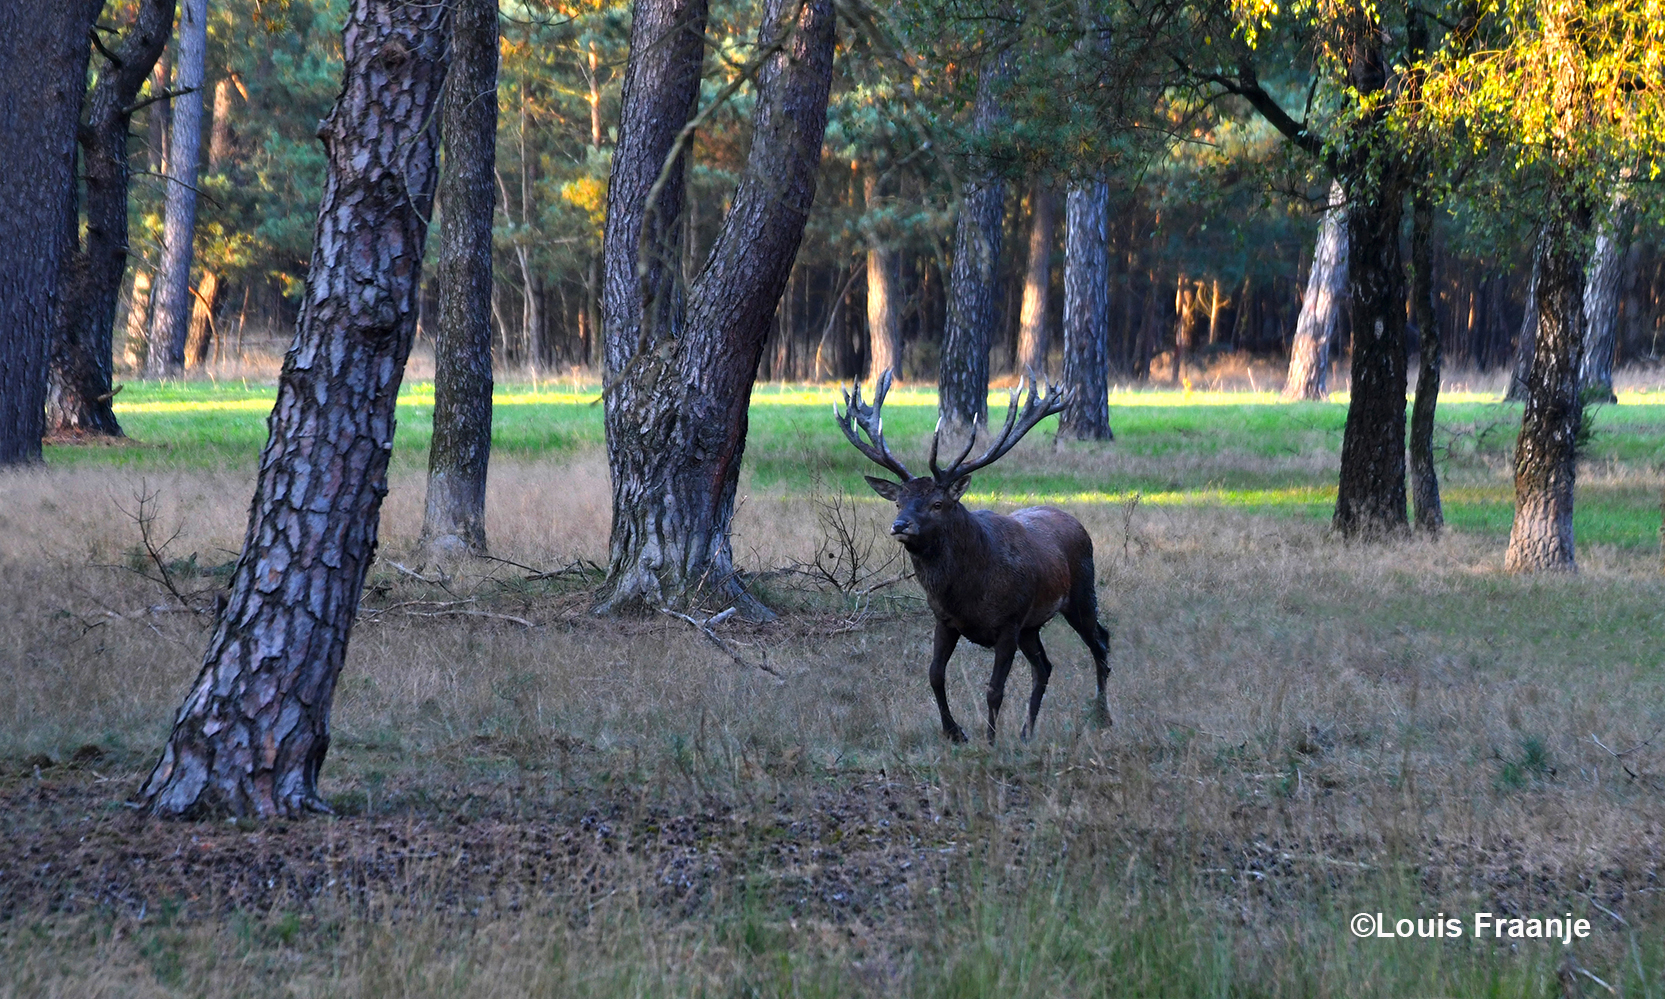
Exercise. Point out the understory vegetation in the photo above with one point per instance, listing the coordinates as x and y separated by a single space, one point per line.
532 800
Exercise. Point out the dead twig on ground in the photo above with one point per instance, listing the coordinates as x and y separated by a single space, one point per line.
704 628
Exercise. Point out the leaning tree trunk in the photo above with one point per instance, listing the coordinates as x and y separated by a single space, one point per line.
454 517
1601 303
1370 499
1309 355
678 392
83 346
974 283
170 324
1546 453
884 330
43 77
251 736
1037 282
1087 312
1425 482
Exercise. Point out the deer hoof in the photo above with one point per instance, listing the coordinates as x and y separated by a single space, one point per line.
955 734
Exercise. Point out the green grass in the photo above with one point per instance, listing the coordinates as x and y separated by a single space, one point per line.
1239 450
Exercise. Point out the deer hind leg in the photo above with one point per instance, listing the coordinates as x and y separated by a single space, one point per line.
1082 614
1004 650
941 648
1040 667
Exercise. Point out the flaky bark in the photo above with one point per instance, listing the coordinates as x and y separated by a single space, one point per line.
251 736
679 386
974 282
170 322
1309 354
1546 453
884 330
1425 482
1601 302
1037 282
80 388
43 77
454 517
1087 312
1370 499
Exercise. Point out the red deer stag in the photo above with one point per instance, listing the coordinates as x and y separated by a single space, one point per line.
994 579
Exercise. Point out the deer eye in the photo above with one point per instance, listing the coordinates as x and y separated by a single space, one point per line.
937 505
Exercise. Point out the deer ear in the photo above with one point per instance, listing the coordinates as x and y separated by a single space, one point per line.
957 490
884 487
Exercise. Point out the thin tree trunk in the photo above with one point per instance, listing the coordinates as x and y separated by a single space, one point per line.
454 517
884 334
138 317
678 391
159 120
1309 355
1425 483
1370 498
251 736
1037 282
203 301
1601 302
1546 453
219 134
43 79
1185 303
974 286
170 322
1087 312
1215 305
80 388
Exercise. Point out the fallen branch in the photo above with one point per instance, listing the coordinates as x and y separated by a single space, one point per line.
412 573
472 613
1621 756
704 628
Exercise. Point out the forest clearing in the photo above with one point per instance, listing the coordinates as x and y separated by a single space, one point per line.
534 800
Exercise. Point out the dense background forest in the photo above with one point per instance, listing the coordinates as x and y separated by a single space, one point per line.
1212 223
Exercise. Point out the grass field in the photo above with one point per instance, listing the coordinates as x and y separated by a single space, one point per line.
534 801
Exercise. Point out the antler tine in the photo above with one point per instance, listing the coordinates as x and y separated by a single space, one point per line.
868 417
949 475
1019 421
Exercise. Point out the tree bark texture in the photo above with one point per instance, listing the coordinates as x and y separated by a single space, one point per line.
974 283
1601 302
170 321
80 387
252 734
1370 500
43 78
641 286
1546 453
1425 482
678 390
1309 355
1037 282
1087 312
884 328
454 517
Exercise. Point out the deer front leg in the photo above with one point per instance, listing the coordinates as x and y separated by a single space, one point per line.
941 648
1004 649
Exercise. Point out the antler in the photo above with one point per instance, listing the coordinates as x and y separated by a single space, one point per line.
1018 422
868 418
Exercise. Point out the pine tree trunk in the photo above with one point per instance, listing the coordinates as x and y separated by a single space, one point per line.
1037 282
1425 483
251 736
454 517
1309 355
80 390
1370 500
43 78
679 386
1601 302
1546 453
203 302
219 134
138 318
884 333
170 322
974 285
1185 303
1087 312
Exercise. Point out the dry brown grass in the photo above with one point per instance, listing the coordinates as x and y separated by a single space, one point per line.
1292 715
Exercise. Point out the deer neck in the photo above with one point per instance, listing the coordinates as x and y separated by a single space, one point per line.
957 555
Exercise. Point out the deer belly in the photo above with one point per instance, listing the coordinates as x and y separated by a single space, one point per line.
1042 612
